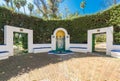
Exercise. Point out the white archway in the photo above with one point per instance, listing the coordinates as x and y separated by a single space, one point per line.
8 37
67 39
109 38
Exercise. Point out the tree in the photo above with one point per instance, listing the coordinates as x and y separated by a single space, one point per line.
83 5
49 8
7 2
17 4
42 8
23 3
72 15
30 7
53 7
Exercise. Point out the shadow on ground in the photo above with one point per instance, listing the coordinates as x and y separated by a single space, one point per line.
17 65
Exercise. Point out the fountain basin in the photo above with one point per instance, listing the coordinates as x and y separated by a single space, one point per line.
60 52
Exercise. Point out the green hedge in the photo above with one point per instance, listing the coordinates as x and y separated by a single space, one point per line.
77 28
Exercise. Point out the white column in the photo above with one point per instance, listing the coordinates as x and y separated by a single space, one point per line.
89 41
8 39
109 40
30 41
53 41
67 42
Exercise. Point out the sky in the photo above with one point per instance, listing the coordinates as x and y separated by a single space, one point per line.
92 6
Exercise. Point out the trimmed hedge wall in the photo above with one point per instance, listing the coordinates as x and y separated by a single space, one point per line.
77 28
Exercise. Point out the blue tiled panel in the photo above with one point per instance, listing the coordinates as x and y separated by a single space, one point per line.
3 52
115 50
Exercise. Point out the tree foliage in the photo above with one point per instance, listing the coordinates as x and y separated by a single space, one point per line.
49 8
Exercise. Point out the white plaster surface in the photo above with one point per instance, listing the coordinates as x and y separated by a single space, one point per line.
78 47
115 53
8 37
40 48
67 39
3 55
109 38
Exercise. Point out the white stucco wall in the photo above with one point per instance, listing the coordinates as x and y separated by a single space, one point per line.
109 38
116 47
67 39
78 47
3 48
8 37
4 55
40 48
115 52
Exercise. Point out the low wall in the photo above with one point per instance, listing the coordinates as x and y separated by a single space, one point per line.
115 52
4 53
78 47
116 47
3 48
39 48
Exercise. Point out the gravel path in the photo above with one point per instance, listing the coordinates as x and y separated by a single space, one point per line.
74 67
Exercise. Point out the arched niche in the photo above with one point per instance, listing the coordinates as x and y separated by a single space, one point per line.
60 33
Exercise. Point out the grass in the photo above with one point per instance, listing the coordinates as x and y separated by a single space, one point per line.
44 67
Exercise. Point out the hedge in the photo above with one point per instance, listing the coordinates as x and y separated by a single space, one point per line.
77 27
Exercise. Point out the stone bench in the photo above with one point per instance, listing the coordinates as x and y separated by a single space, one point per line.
4 55
115 53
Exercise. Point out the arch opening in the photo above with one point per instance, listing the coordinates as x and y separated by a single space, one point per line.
60 42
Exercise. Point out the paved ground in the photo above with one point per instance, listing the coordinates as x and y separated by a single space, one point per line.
44 67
